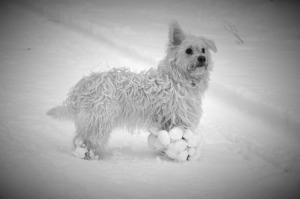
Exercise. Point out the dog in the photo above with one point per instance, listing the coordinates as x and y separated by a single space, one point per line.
162 98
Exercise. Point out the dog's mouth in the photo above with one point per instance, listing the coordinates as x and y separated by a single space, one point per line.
198 67
201 65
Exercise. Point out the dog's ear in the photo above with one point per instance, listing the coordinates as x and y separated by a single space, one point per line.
176 35
210 44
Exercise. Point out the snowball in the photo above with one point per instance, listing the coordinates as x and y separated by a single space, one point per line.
178 144
164 138
176 133
171 153
158 145
192 142
175 148
188 134
191 151
80 152
183 156
154 143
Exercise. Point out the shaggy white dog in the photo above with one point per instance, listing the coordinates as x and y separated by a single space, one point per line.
162 98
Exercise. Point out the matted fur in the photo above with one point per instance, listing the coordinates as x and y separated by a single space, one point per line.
162 98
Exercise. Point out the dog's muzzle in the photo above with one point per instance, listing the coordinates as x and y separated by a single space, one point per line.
201 62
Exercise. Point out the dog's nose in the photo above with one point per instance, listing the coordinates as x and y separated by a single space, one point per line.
201 59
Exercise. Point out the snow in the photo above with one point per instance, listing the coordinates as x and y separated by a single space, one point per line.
250 126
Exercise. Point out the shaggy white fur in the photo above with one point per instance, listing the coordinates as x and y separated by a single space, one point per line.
166 97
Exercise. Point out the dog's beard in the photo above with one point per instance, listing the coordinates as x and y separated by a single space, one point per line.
195 70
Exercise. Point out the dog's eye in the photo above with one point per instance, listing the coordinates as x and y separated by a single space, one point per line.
189 51
203 50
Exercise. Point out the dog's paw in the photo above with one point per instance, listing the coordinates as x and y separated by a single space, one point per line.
83 153
91 155
80 152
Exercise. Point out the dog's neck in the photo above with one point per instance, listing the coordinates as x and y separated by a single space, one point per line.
192 84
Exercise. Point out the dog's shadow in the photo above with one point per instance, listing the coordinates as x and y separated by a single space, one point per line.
127 153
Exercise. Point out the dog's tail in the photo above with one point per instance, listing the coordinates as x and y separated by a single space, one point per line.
60 112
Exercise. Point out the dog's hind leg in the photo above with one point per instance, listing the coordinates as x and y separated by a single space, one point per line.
92 134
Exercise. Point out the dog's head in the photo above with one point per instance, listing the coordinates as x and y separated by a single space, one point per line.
189 55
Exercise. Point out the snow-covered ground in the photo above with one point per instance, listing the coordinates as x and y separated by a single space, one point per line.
251 123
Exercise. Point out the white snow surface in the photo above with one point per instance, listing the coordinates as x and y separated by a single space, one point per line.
250 126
